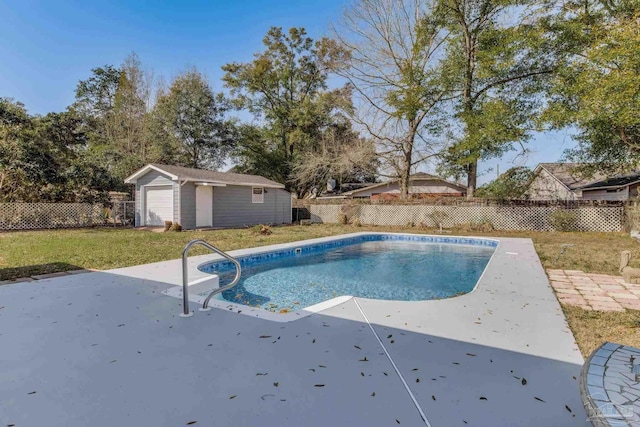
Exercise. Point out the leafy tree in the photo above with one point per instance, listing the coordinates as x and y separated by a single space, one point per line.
43 158
510 185
496 62
15 127
129 146
393 51
597 85
115 103
95 96
191 118
259 153
285 87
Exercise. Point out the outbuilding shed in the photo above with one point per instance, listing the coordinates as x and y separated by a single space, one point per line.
198 198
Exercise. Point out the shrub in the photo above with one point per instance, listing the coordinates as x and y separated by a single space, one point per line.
175 227
562 220
356 223
410 224
167 225
342 219
439 217
484 225
265 230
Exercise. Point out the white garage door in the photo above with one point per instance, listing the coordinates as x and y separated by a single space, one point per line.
158 205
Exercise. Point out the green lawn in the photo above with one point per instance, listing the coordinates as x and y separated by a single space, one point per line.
37 252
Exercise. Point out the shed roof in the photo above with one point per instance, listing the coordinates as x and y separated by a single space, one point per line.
180 173
614 182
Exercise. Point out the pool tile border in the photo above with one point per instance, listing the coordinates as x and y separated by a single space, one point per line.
248 260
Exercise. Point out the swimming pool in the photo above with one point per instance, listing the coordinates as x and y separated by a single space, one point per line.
377 266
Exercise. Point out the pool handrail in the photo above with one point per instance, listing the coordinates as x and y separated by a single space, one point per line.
185 276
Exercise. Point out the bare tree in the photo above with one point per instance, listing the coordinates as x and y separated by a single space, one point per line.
393 64
341 154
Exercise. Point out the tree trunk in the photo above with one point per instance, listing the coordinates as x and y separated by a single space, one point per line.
469 51
405 175
472 174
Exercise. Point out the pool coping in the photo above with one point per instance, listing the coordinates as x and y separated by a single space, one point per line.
194 270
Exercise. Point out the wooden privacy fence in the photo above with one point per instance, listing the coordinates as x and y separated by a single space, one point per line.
33 216
607 218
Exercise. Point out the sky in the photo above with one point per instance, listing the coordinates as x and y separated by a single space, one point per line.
46 47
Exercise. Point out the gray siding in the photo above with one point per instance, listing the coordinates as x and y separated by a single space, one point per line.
188 205
232 207
156 178
603 194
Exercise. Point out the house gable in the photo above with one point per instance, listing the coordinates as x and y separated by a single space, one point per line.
545 186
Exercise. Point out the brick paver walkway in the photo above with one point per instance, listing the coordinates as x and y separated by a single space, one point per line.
594 291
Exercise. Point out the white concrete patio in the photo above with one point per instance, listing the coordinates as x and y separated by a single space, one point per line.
107 348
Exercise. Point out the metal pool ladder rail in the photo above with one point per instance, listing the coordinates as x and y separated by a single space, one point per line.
185 276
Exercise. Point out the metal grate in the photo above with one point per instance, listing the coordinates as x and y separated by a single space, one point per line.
588 218
32 216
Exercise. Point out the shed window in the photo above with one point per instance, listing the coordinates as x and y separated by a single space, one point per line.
257 195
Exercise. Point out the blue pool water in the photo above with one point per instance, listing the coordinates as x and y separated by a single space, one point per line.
386 270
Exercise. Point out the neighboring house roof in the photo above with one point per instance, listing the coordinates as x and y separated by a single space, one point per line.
614 182
567 174
179 173
418 176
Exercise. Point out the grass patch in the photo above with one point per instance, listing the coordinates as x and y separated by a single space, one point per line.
592 328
